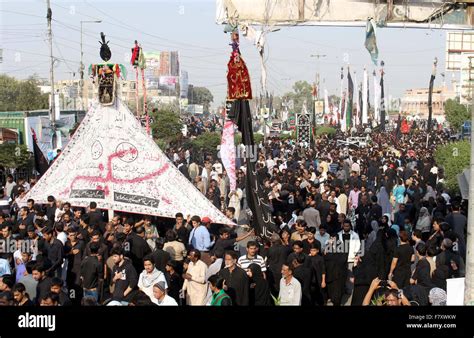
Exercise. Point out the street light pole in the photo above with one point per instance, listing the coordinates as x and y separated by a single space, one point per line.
52 110
81 70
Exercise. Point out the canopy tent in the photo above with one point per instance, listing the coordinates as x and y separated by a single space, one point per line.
112 161
392 13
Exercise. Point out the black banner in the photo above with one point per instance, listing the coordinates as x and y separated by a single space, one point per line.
135 199
258 203
41 164
87 193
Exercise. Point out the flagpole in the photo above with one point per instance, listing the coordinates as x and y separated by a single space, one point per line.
376 99
364 97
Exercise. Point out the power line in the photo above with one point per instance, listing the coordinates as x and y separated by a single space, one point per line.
126 26
39 54
22 13
24 68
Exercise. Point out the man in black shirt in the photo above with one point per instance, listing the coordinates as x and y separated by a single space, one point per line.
56 288
83 229
181 228
297 250
74 250
44 282
303 274
51 208
92 272
226 243
236 280
136 247
24 219
124 275
55 251
160 256
95 216
103 249
319 274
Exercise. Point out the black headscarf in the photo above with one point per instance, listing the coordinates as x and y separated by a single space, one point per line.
260 295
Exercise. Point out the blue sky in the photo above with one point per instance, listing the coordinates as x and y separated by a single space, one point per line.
189 27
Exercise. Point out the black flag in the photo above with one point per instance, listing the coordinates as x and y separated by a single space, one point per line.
41 165
257 201
430 96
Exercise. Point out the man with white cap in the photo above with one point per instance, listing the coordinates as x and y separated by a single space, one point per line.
159 292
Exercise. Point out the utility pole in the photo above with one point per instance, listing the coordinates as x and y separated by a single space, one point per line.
52 108
469 280
81 67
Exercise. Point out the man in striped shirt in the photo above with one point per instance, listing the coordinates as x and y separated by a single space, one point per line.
251 257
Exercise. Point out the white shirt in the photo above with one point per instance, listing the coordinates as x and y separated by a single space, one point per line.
146 282
167 301
270 164
17 257
290 294
355 167
62 237
245 261
214 268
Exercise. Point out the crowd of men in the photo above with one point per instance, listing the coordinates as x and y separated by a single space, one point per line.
367 225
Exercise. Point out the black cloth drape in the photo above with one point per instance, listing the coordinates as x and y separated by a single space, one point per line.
257 201
41 165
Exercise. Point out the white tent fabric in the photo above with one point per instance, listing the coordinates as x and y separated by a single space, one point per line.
111 160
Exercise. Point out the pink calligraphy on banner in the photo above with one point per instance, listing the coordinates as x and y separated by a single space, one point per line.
227 152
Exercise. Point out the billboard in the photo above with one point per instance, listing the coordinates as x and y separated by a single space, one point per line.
160 63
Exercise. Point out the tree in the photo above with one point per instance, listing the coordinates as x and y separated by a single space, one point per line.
301 92
456 113
454 158
14 156
166 124
200 95
206 142
21 95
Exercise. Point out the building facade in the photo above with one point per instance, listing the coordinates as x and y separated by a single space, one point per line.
415 103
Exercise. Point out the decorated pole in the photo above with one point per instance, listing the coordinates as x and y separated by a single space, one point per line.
382 99
134 62
376 100
239 92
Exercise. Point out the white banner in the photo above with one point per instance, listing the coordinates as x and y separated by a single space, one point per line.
376 101
112 161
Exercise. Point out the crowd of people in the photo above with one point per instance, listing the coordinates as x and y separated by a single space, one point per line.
369 225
